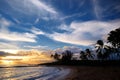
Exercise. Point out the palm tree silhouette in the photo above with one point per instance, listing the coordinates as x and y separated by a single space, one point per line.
83 56
89 54
103 51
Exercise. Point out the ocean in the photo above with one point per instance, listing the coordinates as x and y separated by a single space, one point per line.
33 73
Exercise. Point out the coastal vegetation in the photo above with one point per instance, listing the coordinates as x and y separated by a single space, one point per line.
103 51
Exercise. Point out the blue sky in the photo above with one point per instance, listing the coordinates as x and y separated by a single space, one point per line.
51 24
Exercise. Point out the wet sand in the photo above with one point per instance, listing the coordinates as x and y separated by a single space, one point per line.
94 73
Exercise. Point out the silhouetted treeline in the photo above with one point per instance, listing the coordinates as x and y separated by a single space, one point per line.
102 51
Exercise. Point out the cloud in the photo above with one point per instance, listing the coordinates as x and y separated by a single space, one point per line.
73 15
37 31
15 36
42 5
30 9
8 35
15 40
4 22
106 9
2 54
37 20
111 10
85 33
73 49
97 9
38 47
8 45
26 57
31 6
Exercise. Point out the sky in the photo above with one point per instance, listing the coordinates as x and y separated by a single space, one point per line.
52 24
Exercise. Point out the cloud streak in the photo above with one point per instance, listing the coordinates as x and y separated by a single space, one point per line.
15 36
7 45
37 31
70 48
85 33
73 15
42 5
30 8
97 9
38 47
8 35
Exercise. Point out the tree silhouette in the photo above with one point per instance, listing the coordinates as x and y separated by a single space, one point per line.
99 49
83 56
114 38
100 43
56 56
103 51
88 53
67 55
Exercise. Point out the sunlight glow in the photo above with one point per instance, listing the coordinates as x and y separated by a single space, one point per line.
7 62
25 58
13 57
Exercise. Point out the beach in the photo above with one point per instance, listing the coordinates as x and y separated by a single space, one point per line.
94 73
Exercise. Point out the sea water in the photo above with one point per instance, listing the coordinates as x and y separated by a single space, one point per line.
33 73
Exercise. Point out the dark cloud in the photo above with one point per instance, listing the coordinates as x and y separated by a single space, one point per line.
2 54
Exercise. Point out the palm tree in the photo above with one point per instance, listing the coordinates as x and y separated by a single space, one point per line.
83 56
89 54
67 55
56 56
103 51
114 38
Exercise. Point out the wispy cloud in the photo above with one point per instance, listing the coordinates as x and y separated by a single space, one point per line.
85 33
11 47
111 9
11 40
102 10
73 49
8 45
80 3
73 15
8 35
37 20
31 8
97 9
37 31
31 4
42 5
4 23
15 36
38 47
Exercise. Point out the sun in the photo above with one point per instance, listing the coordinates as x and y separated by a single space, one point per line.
10 60
7 62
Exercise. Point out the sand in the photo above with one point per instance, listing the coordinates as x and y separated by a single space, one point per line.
94 73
